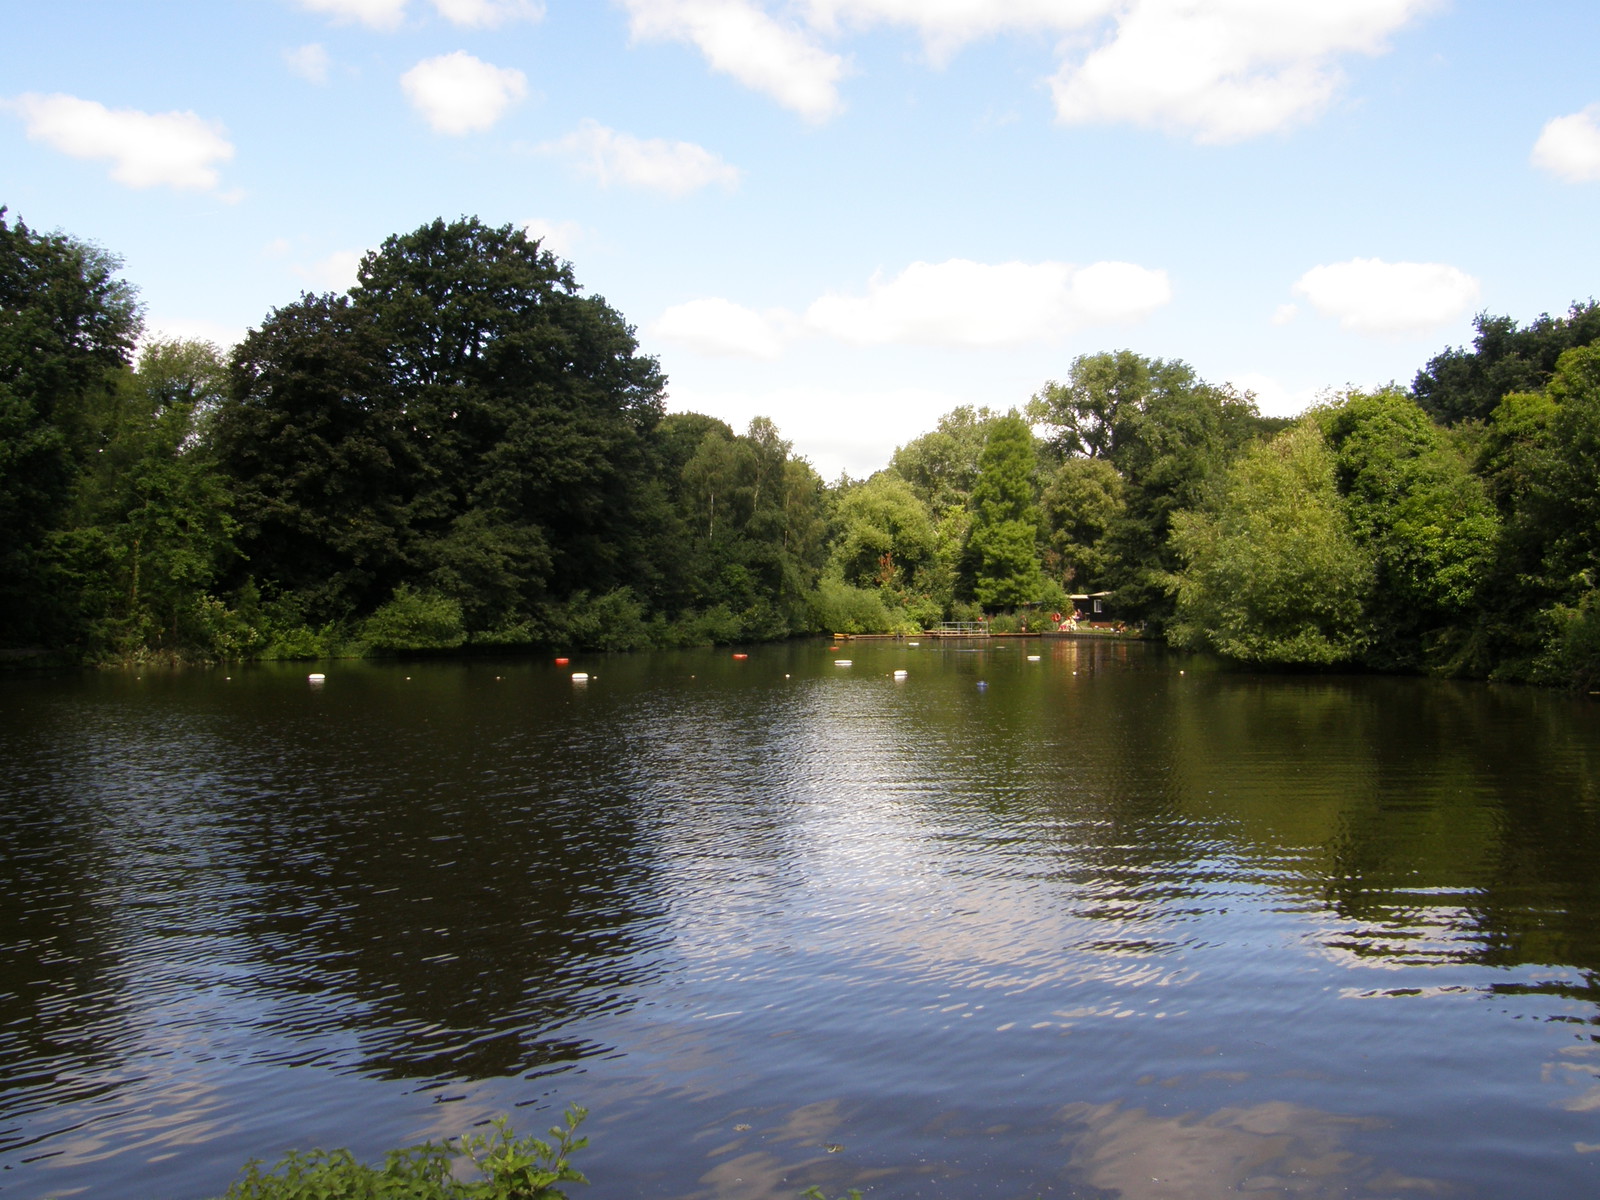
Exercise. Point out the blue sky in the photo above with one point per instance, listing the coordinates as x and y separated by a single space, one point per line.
851 215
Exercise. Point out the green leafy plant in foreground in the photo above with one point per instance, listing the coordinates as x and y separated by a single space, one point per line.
512 1168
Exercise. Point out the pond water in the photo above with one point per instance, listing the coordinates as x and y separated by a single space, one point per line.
1105 924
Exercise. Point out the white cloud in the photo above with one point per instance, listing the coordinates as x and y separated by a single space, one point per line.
656 164
459 94
1224 70
739 38
1368 295
946 25
965 303
837 429
1569 146
310 62
558 237
1284 314
335 273
375 14
1275 398
1217 70
488 14
723 329
175 149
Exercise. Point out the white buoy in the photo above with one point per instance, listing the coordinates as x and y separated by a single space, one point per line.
580 677
901 674
1033 658
913 643
316 678
842 662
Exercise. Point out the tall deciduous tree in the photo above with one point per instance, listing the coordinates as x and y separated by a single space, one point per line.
313 440
67 327
1005 518
885 534
1273 574
1460 385
1427 521
1081 504
1169 434
150 529
465 419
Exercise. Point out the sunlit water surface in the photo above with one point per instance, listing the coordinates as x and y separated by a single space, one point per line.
1102 925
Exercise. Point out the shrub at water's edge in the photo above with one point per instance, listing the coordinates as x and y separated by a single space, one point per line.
507 1168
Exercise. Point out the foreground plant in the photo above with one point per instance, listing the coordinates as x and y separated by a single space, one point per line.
512 1168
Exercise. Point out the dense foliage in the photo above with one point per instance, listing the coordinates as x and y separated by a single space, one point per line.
465 450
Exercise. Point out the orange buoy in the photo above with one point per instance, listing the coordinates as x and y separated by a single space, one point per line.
561 662
741 656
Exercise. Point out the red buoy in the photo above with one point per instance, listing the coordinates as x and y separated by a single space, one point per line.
741 656
561 662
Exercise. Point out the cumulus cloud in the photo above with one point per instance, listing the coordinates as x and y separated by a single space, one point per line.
655 164
488 14
375 14
1368 295
741 39
946 25
391 14
459 94
310 62
1217 70
1273 397
335 273
1569 147
1223 70
558 237
965 303
175 149
722 328
854 430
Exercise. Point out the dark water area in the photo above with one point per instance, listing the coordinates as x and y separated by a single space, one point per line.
1107 924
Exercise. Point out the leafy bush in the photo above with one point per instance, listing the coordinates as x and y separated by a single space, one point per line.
511 1168
839 608
613 620
1572 657
415 620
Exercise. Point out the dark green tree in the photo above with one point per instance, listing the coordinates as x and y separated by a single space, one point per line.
67 329
885 535
1005 518
150 530
313 441
1081 504
1461 385
523 400
465 421
1169 435
1425 519
1273 573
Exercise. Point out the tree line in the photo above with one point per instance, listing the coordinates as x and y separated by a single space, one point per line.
465 450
